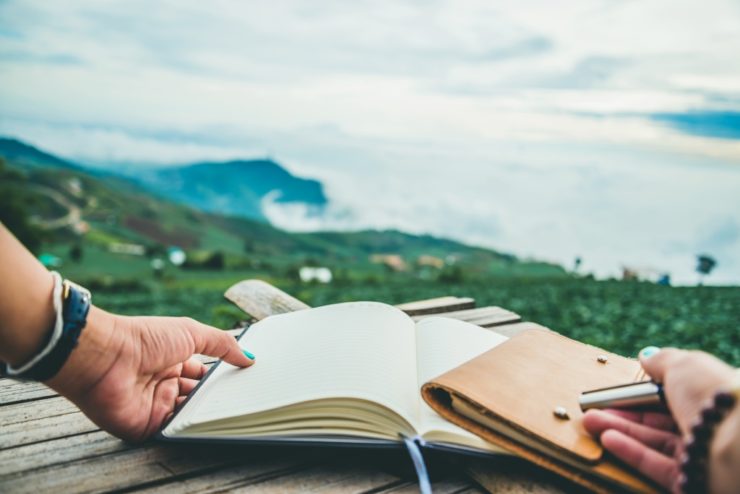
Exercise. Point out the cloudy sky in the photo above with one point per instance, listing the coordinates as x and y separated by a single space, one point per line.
605 129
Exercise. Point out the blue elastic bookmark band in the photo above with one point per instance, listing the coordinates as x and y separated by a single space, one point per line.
412 444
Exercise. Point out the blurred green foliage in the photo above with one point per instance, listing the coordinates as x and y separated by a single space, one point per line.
15 204
619 316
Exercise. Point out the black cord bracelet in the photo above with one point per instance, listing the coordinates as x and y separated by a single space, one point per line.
695 462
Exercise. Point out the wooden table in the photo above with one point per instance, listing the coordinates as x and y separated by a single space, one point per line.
47 445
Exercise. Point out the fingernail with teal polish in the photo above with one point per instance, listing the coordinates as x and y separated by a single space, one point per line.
249 355
649 351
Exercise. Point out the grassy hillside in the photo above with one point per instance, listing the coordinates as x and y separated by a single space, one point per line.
107 211
234 188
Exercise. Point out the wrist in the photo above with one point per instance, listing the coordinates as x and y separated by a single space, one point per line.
97 350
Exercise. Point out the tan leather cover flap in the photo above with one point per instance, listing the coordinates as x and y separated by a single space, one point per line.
520 382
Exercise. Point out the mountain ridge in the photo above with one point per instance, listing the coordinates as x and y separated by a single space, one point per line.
111 211
18 150
235 187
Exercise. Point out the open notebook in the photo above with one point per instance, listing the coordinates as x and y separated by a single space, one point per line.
341 374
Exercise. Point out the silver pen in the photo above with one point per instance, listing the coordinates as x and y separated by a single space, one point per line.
641 394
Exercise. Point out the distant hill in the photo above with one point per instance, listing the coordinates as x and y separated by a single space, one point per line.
21 152
233 188
72 204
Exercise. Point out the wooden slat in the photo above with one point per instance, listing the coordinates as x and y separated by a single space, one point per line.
316 478
516 328
31 422
12 391
141 465
515 476
228 479
484 316
27 412
329 478
436 305
260 299
453 485
24 460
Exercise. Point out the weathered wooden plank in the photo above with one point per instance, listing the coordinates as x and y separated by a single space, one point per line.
94 474
516 328
26 459
436 305
515 476
263 479
26 412
326 478
260 299
229 478
452 485
133 466
31 422
12 391
484 316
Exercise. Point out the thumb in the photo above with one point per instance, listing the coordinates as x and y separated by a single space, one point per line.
656 361
216 343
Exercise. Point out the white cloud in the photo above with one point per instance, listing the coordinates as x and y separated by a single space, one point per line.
519 126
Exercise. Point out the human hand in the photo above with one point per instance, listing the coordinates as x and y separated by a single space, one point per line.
689 378
651 442
127 374
646 441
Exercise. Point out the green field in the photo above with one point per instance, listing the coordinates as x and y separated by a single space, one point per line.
619 316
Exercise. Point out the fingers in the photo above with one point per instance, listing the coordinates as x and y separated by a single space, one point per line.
656 420
216 343
651 463
193 369
597 421
186 385
657 364
178 402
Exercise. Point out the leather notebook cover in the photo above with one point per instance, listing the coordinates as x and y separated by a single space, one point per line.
507 396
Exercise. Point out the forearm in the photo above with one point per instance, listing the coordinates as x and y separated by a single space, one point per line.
26 305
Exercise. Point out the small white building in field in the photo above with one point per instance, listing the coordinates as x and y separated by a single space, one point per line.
308 274
130 249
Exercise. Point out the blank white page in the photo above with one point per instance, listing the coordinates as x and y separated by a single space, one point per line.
441 345
363 350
